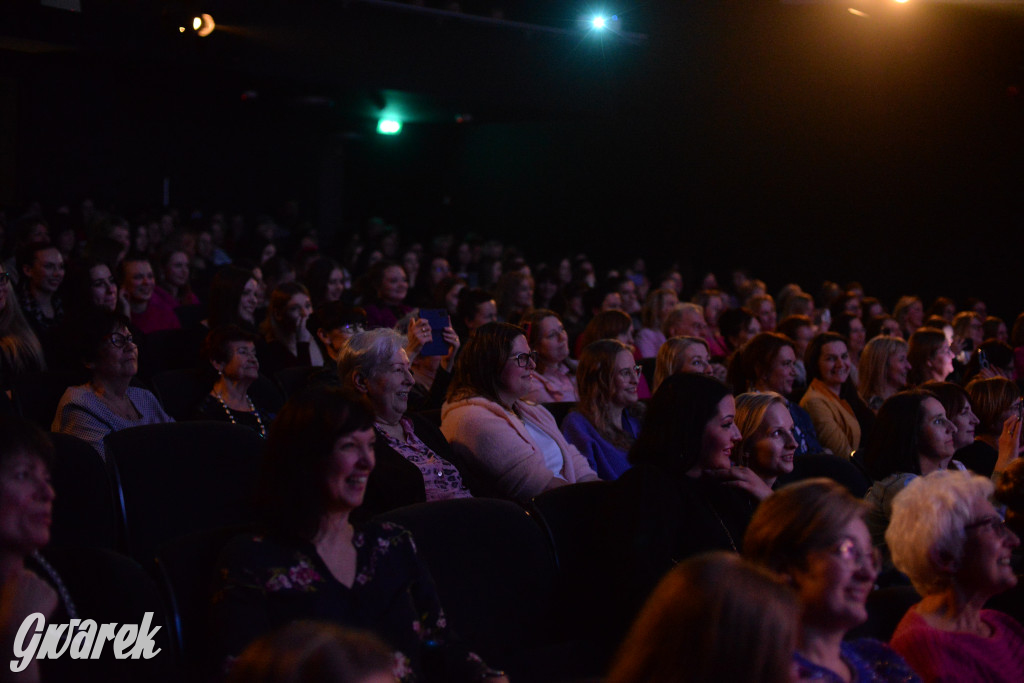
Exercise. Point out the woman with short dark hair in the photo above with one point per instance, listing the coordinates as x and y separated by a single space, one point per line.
231 353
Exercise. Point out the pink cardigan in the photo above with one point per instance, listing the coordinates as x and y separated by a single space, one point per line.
498 447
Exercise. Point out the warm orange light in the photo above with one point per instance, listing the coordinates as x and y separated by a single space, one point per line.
205 26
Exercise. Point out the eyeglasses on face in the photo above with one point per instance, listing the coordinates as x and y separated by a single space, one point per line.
630 373
523 359
119 341
848 551
995 523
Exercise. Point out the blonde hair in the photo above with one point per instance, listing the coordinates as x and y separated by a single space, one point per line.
20 349
670 357
874 365
755 617
750 411
650 315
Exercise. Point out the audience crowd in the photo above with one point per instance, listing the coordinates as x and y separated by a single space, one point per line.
773 461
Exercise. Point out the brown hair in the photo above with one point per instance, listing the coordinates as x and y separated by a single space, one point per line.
595 376
478 366
990 398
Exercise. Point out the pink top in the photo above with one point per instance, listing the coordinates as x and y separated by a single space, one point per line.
156 317
441 480
648 342
939 655
167 300
556 387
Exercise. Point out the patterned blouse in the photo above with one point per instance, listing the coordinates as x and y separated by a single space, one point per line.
264 582
870 660
441 479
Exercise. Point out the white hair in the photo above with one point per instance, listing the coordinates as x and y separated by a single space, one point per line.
368 353
928 520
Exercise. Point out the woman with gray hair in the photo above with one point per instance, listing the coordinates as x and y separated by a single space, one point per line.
955 547
414 461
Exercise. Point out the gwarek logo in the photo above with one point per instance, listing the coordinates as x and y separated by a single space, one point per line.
82 639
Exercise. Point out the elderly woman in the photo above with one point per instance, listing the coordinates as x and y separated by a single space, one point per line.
813 534
334 323
107 403
768 444
931 358
767 363
606 420
955 547
883 370
513 448
555 376
681 354
755 615
414 461
310 561
649 338
828 368
289 341
231 352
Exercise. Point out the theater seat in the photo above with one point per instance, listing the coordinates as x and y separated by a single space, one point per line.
174 479
83 511
36 394
560 409
834 467
181 390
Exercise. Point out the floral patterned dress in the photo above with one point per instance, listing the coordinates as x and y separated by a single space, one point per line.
264 582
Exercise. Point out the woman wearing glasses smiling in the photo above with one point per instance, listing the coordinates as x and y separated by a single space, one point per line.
606 421
106 403
512 448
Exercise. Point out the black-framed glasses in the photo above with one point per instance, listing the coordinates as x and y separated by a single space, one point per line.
4 278
523 359
119 341
994 522
630 373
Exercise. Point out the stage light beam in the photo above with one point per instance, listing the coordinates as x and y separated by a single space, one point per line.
389 127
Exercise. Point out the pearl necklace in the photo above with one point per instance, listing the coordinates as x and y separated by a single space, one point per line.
252 409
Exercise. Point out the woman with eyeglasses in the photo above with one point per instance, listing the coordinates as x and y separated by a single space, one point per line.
20 350
955 547
512 448
606 420
106 403
813 534
911 437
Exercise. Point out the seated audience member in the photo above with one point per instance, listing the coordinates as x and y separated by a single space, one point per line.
89 283
996 402
334 323
606 421
850 326
756 619
41 271
682 496
991 359
649 337
231 352
800 303
173 287
931 358
616 325
514 295
432 374
882 326
828 368
957 404
768 444
943 307
995 328
289 343
909 315
414 461
812 533
684 320
20 350
389 286
319 456
325 280
446 295
314 652
1010 492
107 403
738 326
681 354
968 328
712 302
912 437
799 329
555 376
513 449
763 308
883 370
476 307
767 363
234 297
137 284
955 547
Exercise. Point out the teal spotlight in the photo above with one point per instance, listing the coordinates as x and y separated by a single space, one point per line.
389 127
599 22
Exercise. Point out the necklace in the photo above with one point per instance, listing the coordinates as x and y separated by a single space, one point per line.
252 409
62 590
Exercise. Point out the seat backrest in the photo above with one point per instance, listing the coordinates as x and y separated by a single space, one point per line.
190 315
36 394
172 349
83 511
559 409
886 606
834 467
184 572
493 568
180 391
178 478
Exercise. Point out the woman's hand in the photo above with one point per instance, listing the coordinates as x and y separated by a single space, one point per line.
1009 444
418 335
123 307
741 478
451 337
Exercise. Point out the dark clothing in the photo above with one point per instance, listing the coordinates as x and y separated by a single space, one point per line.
978 457
211 409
